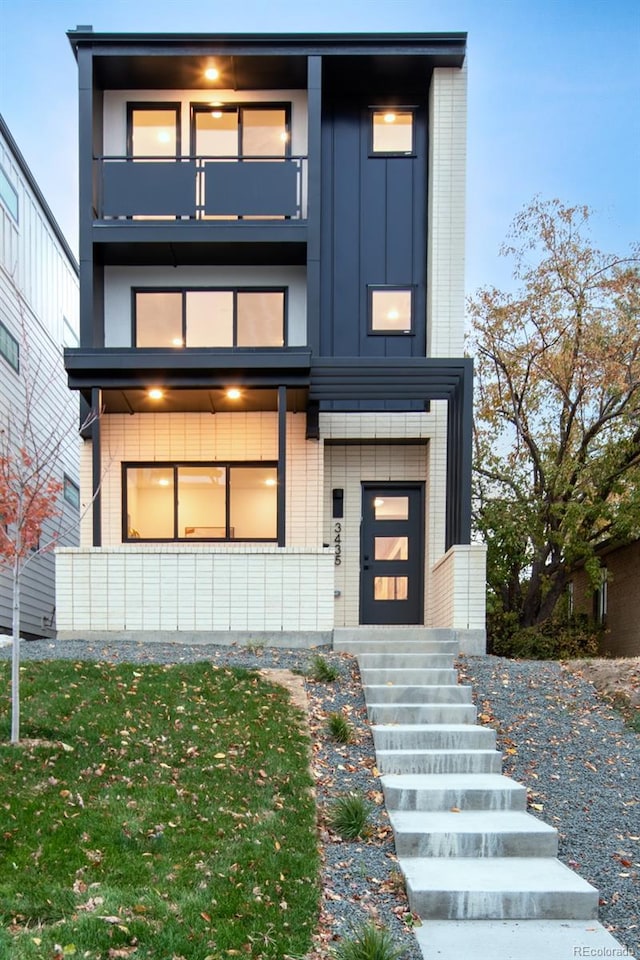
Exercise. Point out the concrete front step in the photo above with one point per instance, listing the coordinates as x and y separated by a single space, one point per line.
438 761
472 833
475 791
515 940
422 713
497 888
399 661
358 647
428 693
435 736
392 635
405 676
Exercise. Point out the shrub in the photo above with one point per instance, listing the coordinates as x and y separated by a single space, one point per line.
349 816
323 671
340 728
369 942
551 640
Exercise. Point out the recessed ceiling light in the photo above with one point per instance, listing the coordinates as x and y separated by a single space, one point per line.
164 136
211 73
270 482
393 314
163 482
177 341
233 393
216 114
155 393
389 118
378 502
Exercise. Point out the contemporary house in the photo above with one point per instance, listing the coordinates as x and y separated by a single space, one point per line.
38 317
272 300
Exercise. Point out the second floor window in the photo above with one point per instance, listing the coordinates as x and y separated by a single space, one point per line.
209 318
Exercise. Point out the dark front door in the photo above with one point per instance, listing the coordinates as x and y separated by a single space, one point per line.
392 554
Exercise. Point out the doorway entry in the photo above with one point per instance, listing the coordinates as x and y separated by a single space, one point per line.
392 554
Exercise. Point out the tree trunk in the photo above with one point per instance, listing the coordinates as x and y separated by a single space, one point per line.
15 657
538 607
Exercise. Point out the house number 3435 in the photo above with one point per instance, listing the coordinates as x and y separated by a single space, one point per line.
337 543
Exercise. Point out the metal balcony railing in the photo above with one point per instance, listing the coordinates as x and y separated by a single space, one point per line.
201 188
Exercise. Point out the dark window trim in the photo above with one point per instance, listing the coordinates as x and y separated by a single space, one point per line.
371 288
233 107
5 332
393 108
174 105
5 202
235 290
228 465
68 483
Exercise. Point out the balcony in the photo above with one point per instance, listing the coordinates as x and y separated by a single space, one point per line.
205 188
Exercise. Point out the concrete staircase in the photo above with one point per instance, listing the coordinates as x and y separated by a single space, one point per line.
480 871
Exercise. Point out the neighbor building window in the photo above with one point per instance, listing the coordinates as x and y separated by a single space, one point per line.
390 310
601 599
9 348
392 131
8 194
71 492
209 318
200 501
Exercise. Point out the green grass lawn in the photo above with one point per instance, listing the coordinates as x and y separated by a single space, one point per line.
166 814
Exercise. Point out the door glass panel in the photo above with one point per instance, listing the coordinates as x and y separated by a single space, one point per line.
209 318
264 133
254 499
391 548
391 508
150 503
390 588
153 133
201 502
158 319
261 319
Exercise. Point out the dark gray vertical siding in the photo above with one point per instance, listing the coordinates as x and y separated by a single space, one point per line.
374 220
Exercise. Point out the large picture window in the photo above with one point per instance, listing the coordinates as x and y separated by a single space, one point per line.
392 132
199 501
209 318
390 310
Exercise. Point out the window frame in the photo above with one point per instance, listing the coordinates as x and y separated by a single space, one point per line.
403 287
174 465
174 105
235 290
5 333
69 483
238 107
393 108
15 216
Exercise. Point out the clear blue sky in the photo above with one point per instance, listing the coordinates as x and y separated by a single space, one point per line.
554 95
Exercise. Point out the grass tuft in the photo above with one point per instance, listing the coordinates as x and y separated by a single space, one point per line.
369 942
322 671
340 728
349 815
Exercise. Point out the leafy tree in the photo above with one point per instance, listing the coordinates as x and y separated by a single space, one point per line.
32 454
557 428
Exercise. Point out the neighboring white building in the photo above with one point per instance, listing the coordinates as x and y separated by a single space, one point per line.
272 310
38 318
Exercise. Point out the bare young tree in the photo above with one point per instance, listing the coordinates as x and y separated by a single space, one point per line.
35 442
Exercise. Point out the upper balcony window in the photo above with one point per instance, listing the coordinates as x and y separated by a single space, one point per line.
153 130
232 130
209 318
392 132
